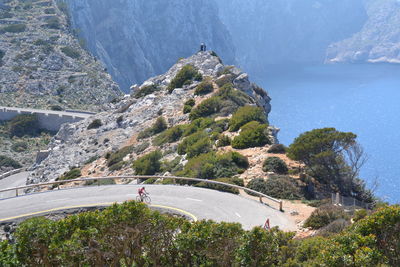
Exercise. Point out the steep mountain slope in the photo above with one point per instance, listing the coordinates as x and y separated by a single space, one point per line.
138 39
139 124
41 62
378 40
289 31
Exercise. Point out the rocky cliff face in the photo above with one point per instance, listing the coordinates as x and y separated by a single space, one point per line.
378 40
138 39
42 64
289 31
75 144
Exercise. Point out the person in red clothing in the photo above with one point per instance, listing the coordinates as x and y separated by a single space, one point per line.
142 192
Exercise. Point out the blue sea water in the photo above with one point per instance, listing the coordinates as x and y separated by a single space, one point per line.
363 99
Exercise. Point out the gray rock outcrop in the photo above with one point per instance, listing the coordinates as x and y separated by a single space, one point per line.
75 144
138 39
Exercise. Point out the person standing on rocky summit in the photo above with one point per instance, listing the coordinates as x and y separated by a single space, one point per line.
203 47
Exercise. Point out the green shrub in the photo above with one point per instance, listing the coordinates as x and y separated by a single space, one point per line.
19 147
2 54
198 125
172 166
226 70
120 119
205 87
207 108
187 109
56 108
223 103
335 227
185 76
13 28
360 214
70 52
49 11
148 164
191 102
118 166
223 188
119 155
253 134
9 162
141 147
195 144
276 165
277 149
212 165
72 174
283 187
324 215
95 124
25 124
159 126
224 140
245 115
226 79
146 90
169 136
53 23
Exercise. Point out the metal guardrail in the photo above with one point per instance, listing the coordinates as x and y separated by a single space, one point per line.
142 177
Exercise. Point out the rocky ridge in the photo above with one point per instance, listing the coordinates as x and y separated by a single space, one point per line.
138 39
42 63
77 146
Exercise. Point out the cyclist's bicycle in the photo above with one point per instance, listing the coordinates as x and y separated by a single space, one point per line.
145 198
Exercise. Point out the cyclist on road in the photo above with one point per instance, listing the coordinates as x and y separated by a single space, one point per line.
142 192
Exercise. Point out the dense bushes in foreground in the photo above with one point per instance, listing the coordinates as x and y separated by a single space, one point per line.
132 235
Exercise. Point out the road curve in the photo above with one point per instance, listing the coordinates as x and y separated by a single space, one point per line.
15 180
202 203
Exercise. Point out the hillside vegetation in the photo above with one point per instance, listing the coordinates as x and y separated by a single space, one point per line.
132 235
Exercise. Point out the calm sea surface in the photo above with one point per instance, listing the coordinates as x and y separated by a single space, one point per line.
363 99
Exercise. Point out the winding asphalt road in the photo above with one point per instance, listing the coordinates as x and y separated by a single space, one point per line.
15 180
198 203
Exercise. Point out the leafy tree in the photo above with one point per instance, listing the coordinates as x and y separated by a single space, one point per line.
333 158
276 165
148 164
245 115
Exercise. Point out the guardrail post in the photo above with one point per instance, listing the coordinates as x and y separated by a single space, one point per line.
16 192
281 205
98 182
261 199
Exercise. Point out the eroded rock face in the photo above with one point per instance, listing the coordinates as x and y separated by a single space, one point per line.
75 144
138 39
43 65
377 41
